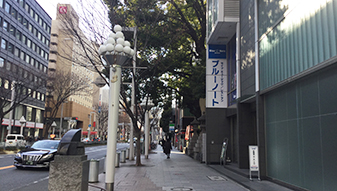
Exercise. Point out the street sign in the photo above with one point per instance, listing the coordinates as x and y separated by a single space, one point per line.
171 127
89 125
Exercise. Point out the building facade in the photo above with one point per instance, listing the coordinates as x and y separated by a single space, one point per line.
66 55
25 38
285 84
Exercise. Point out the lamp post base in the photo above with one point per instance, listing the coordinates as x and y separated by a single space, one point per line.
146 156
109 186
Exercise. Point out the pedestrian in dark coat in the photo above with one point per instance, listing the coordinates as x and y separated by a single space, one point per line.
167 148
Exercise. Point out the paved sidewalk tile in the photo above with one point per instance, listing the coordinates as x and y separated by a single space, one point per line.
179 173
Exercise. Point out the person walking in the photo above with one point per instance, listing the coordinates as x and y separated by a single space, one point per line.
167 147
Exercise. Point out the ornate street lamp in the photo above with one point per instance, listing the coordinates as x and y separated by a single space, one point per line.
22 122
115 51
147 104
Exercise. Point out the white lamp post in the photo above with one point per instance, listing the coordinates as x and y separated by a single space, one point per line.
115 52
147 106
22 122
53 126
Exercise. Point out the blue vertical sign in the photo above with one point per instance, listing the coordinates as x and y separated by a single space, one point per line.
216 76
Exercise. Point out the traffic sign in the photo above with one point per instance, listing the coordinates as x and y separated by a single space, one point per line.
89 125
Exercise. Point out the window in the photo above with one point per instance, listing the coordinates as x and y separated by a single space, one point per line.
7 7
29 111
48 29
36 17
19 111
47 42
35 31
25 74
6 84
10 47
38 118
22 3
13 12
2 61
40 21
1 3
29 42
20 70
27 58
30 76
37 64
39 36
37 49
30 27
33 46
27 7
35 79
29 91
3 44
14 68
22 55
8 66
20 18
24 91
16 52
31 13
42 97
32 60
5 25
12 30
34 94
24 38
46 55
18 35
42 53
25 22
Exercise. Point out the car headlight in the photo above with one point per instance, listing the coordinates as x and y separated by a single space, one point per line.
47 156
18 155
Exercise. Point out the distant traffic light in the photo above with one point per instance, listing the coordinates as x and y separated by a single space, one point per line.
74 118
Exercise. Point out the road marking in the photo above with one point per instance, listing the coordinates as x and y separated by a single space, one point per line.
6 167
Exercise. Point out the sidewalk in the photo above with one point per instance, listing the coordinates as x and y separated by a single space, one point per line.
180 172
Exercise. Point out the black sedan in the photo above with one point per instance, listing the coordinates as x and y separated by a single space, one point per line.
38 155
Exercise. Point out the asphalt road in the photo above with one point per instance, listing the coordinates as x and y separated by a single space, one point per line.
12 179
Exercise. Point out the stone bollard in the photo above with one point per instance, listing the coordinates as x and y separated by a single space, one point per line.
70 169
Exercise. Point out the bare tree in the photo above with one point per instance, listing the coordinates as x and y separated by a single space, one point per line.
20 87
60 86
102 119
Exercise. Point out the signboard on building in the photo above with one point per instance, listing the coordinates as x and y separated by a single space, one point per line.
253 160
216 77
63 10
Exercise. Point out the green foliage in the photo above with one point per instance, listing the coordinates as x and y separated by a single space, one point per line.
171 44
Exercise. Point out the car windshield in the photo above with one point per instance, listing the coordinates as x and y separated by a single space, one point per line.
45 145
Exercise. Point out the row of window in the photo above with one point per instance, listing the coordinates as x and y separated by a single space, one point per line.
18 71
11 10
15 32
4 83
22 55
28 112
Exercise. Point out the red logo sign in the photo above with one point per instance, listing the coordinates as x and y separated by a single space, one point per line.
63 10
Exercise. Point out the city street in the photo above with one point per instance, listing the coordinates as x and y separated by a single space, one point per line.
37 179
